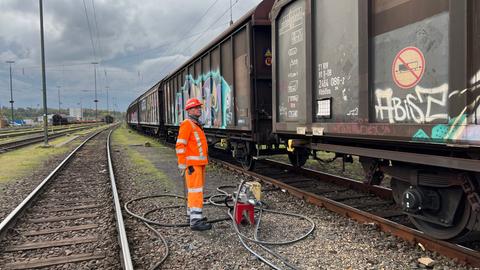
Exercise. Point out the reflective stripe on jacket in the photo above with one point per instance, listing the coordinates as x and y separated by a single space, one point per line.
191 146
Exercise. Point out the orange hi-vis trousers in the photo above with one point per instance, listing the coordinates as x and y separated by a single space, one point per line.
195 182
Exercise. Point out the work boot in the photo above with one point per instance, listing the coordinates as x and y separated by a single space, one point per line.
203 219
201 226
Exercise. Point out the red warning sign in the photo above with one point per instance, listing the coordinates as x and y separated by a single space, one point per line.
408 67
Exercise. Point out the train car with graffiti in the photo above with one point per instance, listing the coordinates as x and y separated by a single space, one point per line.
132 115
232 78
149 111
396 83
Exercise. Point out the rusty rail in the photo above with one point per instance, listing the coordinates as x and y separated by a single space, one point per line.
462 254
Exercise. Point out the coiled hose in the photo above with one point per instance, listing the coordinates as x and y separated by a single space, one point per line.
225 197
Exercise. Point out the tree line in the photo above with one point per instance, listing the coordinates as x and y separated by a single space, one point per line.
33 113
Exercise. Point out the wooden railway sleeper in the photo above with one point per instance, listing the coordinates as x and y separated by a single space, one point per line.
470 190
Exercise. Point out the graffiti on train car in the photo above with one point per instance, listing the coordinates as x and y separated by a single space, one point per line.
215 93
458 127
134 117
362 127
475 82
430 106
420 106
179 105
442 132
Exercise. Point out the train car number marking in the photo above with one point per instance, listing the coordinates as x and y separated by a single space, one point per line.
301 130
317 131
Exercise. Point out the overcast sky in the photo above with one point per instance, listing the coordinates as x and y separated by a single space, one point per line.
135 43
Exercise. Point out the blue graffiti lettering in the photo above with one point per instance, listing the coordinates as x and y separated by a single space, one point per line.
216 95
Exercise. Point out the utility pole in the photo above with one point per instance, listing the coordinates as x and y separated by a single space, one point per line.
95 79
231 19
58 87
107 99
44 82
114 107
81 110
11 91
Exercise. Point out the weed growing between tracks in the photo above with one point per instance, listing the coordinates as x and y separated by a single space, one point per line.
133 145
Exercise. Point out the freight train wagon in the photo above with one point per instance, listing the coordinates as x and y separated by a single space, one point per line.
395 82
144 114
132 115
232 78
148 106
108 119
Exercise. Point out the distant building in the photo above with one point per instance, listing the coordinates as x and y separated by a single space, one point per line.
29 122
19 122
3 122
49 119
76 113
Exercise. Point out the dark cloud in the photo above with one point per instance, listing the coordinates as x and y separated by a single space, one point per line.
138 42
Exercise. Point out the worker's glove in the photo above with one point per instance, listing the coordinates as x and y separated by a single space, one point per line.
182 172
190 170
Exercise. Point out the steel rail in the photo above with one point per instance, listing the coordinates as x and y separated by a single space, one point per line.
39 131
12 217
413 236
125 250
4 147
382 192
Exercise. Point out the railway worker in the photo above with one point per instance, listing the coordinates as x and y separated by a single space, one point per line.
192 151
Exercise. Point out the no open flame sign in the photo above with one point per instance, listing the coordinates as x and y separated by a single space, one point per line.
408 67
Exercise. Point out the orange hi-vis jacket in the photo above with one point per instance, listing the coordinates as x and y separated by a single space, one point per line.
191 146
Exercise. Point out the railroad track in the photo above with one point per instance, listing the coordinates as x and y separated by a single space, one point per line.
69 221
15 129
18 133
372 205
8 146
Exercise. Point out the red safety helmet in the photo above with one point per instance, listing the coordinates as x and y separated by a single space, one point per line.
192 103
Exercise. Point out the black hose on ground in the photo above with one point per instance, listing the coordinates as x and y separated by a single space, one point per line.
226 198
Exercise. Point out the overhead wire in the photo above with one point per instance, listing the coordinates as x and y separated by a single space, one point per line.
54 66
162 46
90 31
190 29
100 47
162 69
96 29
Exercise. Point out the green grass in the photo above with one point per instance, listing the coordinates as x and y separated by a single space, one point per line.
352 170
81 132
23 161
86 131
126 138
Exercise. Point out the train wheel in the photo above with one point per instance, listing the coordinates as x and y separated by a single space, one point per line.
298 157
243 154
443 213
457 231
248 163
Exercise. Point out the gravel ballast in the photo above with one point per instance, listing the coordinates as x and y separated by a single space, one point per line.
336 243
16 190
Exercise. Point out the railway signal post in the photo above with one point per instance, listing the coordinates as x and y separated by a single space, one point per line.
11 91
